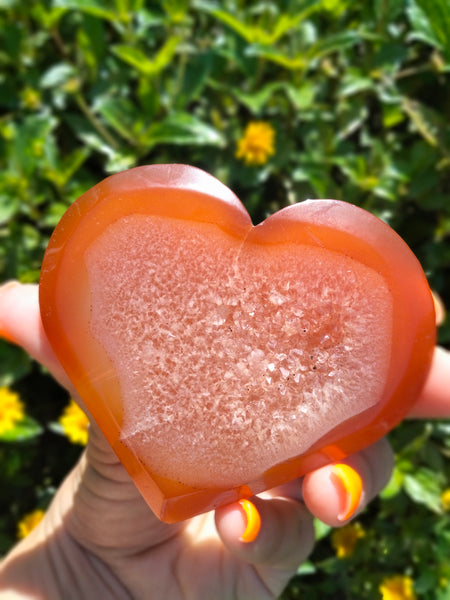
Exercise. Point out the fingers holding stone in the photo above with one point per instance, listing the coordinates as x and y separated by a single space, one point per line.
337 492
276 532
434 400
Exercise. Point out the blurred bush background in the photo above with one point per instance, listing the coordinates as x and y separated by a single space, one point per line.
282 100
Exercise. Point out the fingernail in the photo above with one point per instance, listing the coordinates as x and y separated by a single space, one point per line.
8 284
4 333
351 483
253 521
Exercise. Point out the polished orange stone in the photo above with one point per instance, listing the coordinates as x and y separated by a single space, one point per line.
221 359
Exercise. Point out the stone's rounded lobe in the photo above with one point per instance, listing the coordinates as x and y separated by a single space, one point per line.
219 358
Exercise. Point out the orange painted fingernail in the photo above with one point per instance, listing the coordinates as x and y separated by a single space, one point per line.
4 333
253 521
351 481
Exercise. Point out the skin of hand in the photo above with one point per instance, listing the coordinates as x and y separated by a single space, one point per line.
100 539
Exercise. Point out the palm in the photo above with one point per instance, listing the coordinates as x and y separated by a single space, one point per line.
111 520
100 539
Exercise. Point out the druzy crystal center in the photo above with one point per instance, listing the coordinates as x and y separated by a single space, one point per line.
231 354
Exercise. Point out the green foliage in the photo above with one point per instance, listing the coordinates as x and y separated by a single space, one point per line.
406 530
358 96
26 429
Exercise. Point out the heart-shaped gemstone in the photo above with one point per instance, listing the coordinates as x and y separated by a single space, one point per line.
218 358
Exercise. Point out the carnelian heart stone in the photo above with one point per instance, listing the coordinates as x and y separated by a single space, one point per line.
221 359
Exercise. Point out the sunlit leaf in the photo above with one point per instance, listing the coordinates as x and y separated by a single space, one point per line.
176 9
25 430
145 63
96 8
9 206
57 75
336 42
183 129
253 32
431 22
121 115
309 56
424 487
257 100
427 123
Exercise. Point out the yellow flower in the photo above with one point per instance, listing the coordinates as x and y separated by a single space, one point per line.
75 423
29 522
257 143
31 98
397 587
12 410
344 539
445 499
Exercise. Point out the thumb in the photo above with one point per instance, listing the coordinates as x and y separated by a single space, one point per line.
21 324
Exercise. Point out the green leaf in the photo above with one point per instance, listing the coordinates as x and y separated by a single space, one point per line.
336 42
117 159
394 486
14 363
57 75
298 62
25 430
96 8
392 115
423 486
427 123
198 70
305 59
92 42
183 129
56 427
321 529
256 34
9 206
307 568
302 96
31 141
62 169
387 11
255 101
247 32
125 7
47 16
431 22
354 82
176 9
121 115
54 214
140 61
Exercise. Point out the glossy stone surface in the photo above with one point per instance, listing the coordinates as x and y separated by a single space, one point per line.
219 358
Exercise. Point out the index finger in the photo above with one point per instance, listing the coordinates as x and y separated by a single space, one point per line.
21 324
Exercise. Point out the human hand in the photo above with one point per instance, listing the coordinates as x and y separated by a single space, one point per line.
99 538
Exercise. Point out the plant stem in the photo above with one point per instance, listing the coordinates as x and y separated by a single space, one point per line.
86 110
